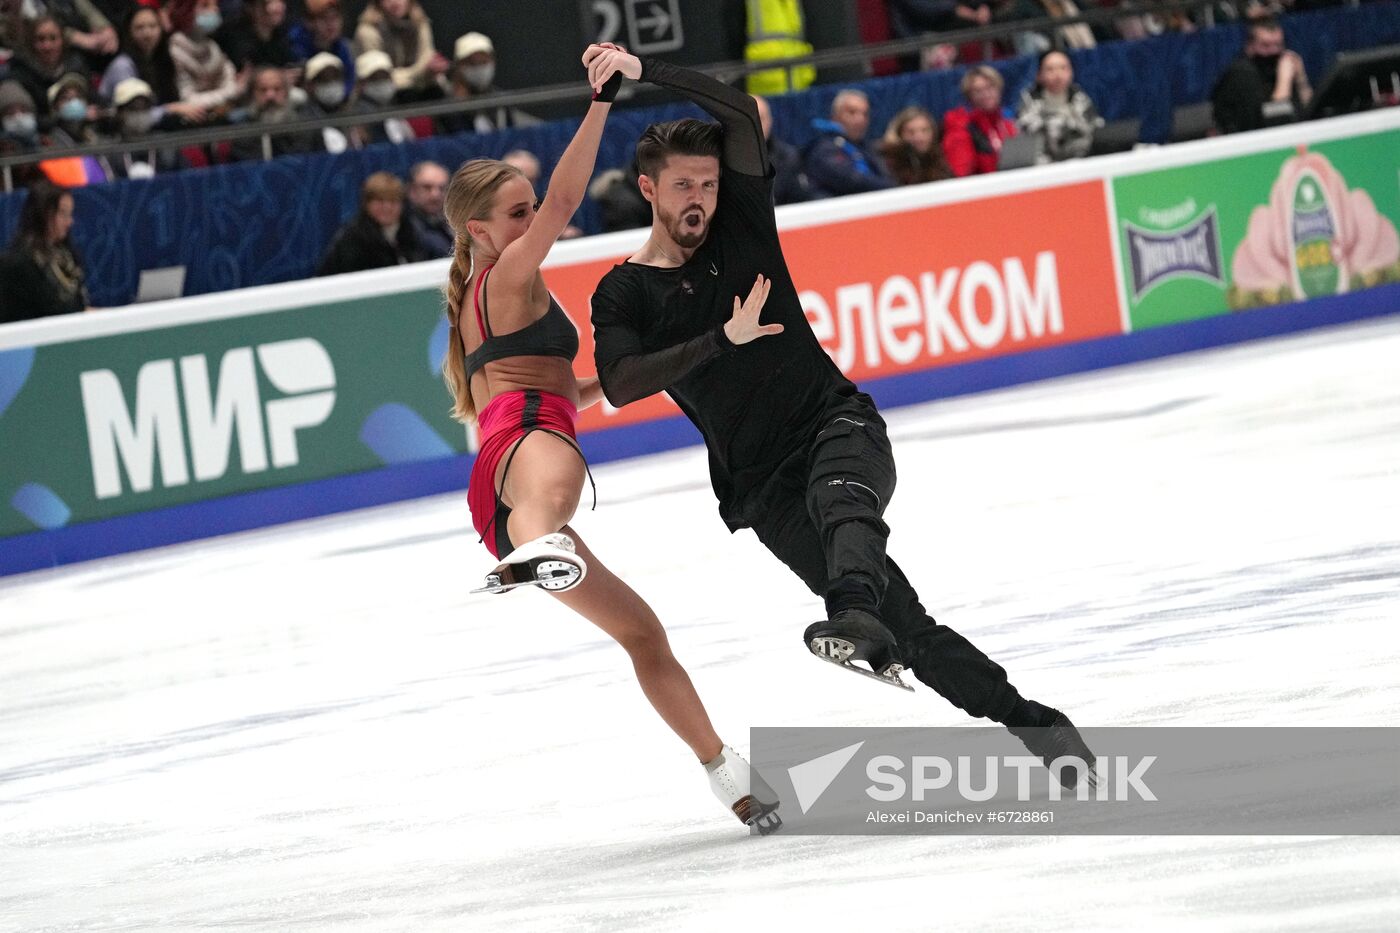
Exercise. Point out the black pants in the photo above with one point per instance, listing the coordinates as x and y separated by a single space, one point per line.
822 515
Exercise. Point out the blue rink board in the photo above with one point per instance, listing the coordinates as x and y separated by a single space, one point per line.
261 508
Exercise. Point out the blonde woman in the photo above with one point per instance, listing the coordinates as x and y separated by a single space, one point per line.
510 368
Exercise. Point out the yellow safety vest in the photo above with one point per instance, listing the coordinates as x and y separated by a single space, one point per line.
776 31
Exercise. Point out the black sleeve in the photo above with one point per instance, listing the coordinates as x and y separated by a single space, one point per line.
744 147
626 371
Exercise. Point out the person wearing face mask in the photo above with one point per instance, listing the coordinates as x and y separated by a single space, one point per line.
204 75
136 116
401 30
42 274
377 236
321 31
326 97
473 76
44 58
1057 113
19 125
71 115
1264 86
271 104
145 54
375 92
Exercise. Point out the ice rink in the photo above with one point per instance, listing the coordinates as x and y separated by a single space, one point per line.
313 727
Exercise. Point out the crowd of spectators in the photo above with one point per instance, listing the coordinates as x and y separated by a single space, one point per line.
69 76
74 79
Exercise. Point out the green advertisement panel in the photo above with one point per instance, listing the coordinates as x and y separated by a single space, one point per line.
108 426
1262 229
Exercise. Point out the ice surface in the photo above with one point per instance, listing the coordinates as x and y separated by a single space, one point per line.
312 727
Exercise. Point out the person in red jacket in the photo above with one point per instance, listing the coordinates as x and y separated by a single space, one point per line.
972 135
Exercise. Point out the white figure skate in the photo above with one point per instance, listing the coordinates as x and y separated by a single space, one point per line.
744 792
548 562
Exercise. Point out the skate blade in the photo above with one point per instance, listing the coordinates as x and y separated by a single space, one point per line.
837 650
553 575
758 816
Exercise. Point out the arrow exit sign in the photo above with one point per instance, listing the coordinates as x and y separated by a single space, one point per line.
653 25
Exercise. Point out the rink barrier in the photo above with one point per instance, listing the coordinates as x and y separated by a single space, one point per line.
329 386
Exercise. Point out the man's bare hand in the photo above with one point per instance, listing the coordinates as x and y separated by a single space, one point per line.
743 326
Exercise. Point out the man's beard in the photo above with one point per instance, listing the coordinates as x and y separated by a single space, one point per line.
685 235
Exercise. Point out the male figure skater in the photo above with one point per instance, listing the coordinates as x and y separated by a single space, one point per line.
796 451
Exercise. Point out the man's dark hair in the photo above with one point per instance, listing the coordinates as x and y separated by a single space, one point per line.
1263 24
679 137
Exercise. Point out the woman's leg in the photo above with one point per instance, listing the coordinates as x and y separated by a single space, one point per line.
542 485
615 608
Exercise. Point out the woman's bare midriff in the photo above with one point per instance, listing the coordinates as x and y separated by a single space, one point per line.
519 373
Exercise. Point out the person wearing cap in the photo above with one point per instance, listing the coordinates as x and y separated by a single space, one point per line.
322 30
270 105
401 30
145 54
19 124
73 117
136 116
375 91
44 58
375 237
327 97
203 73
473 76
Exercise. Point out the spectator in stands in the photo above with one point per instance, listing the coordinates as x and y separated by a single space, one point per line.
271 105
529 166
145 54
44 59
18 121
377 91
137 115
973 134
839 161
322 31
42 273
910 148
914 17
1057 113
790 182
1267 84
259 37
427 189
204 75
326 97
473 76
84 28
401 30
618 194
1071 36
74 118
376 236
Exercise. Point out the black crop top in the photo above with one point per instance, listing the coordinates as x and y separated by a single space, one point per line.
553 334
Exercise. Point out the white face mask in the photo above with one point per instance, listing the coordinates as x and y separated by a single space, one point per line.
479 77
380 90
208 22
136 123
74 110
20 124
330 95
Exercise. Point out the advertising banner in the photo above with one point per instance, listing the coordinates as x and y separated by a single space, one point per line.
113 425
1262 229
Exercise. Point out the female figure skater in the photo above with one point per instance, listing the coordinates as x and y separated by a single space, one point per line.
509 366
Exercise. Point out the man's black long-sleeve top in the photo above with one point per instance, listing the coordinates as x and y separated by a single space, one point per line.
655 329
